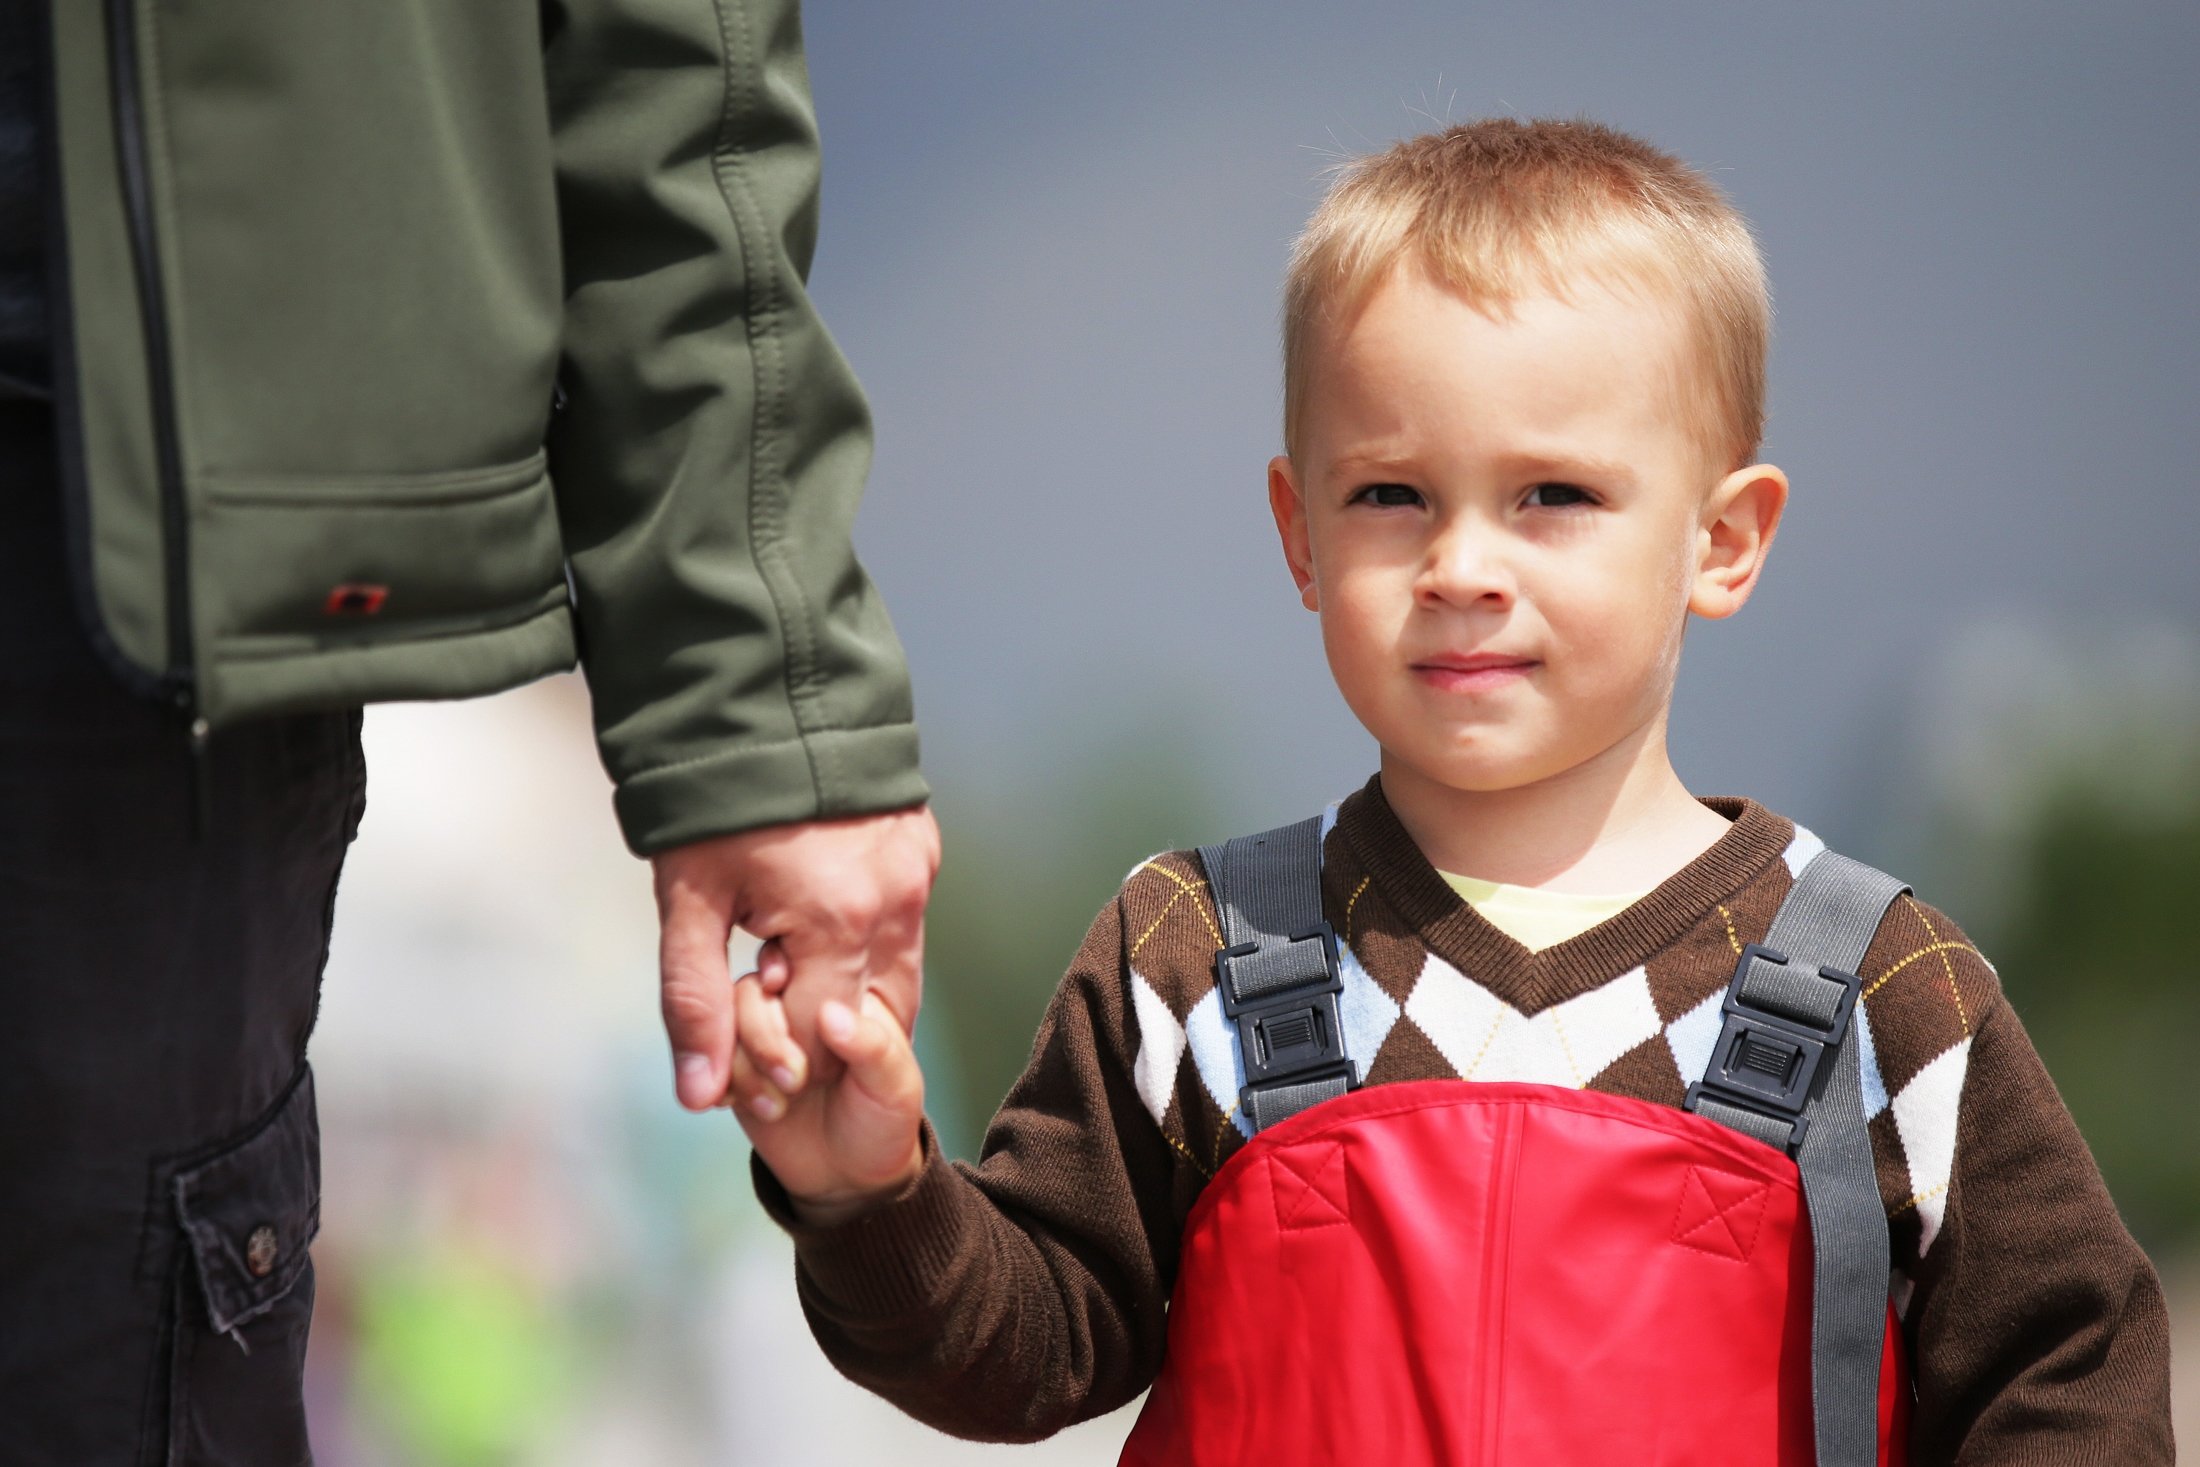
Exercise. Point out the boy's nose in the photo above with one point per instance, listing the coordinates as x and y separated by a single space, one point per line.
1466 566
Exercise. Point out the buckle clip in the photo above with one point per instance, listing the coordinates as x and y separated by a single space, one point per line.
1295 1032
1773 1063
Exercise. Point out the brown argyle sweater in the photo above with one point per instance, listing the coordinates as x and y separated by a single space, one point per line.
1007 1300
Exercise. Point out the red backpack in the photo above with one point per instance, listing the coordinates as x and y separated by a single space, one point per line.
1450 1272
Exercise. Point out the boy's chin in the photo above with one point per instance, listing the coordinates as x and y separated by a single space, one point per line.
1481 773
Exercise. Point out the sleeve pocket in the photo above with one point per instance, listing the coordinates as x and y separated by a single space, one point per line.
249 1213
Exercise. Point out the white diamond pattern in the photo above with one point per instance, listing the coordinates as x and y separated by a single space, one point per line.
1801 850
1569 1044
1369 1013
1459 1016
1161 1044
1925 1115
1694 1035
1214 1046
1867 1061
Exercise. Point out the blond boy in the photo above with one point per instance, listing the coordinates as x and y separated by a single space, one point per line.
1524 370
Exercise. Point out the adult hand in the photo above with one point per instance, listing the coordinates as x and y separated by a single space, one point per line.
841 900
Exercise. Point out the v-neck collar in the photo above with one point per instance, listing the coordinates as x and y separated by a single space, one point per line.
1531 980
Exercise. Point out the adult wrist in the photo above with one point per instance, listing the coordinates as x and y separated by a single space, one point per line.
736 790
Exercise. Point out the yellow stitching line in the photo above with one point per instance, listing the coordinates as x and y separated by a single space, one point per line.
1186 1152
1925 1196
1157 922
1185 888
1731 940
1961 1017
1487 1040
1348 906
1567 1050
1189 887
1221 1130
1924 952
1155 865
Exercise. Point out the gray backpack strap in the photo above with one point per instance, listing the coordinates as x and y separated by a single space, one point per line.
1277 971
1786 1071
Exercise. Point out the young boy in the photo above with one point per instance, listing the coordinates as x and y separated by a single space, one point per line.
1524 391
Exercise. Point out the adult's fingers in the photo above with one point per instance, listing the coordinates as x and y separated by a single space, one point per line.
697 996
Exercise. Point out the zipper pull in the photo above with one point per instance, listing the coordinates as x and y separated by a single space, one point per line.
202 780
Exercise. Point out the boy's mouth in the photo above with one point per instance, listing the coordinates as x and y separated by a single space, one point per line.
1479 673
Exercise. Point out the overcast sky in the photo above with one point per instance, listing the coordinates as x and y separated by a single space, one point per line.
1052 240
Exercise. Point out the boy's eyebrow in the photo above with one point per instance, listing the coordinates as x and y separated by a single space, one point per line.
1376 462
1557 465
1566 465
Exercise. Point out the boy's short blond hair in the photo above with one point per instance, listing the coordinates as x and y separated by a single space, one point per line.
1499 209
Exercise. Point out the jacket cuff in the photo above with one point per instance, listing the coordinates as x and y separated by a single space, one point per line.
825 775
896 1259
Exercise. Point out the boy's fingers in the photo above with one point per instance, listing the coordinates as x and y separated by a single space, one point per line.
761 1022
748 1091
870 1042
772 968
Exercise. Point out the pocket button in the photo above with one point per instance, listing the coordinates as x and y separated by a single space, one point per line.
259 1251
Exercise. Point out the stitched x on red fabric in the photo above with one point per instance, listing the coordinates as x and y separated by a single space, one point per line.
1309 1184
1719 1213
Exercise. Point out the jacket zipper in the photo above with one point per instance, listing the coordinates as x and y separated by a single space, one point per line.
137 189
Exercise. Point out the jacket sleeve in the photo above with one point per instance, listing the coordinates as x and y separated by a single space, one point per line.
1007 1301
713 443
2039 1326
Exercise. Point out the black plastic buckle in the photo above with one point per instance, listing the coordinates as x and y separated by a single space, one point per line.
1296 1033
1770 1063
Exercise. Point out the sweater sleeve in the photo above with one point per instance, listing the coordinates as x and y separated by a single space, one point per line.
714 442
2038 1325
1005 1301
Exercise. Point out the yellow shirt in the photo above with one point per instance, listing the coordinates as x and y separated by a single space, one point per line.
1534 918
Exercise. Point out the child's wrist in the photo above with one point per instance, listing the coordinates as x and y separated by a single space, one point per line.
831 1209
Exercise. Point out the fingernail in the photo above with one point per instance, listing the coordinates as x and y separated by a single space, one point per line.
693 1071
784 1079
836 1020
767 1106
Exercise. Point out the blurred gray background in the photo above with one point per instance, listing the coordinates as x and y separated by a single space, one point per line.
1053 236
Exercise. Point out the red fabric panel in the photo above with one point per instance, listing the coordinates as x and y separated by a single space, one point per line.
1443 1272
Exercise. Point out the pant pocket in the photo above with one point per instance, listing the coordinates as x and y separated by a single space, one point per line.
244 1294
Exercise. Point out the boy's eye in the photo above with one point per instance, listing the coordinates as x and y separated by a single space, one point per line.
1390 496
1557 496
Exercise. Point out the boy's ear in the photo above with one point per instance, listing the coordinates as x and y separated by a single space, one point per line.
1289 508
1739 520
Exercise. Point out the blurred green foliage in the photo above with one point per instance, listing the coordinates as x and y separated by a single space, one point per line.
1027 868
464 1361
2096 955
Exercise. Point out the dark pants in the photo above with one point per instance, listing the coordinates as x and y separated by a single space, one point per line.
159 1156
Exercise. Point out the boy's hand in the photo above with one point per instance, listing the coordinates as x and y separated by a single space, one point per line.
850 1138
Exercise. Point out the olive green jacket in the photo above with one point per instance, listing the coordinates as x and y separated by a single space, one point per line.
412 345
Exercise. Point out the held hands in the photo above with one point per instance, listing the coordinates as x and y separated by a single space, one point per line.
841 900
849 1139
